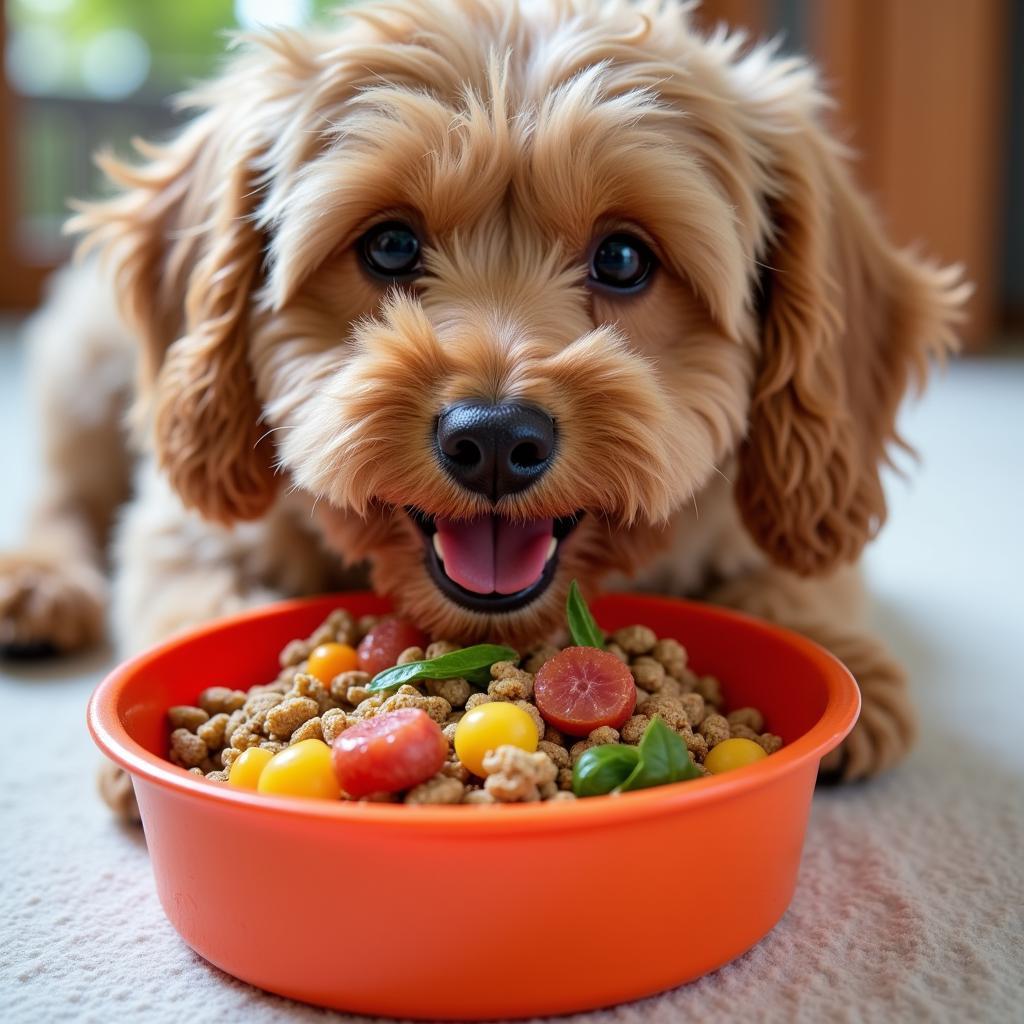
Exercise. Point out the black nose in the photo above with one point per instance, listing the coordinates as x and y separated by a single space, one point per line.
495 449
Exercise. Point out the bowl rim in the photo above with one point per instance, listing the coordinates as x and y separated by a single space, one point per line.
841 711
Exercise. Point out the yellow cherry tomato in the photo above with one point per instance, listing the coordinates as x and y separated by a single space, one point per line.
489 726
734 753
303 769
330 660
247 768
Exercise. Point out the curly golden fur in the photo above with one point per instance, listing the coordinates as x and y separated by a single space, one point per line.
723 430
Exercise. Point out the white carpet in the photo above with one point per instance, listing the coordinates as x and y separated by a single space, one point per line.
910 905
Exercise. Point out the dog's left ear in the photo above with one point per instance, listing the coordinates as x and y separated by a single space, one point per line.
186 250
847 323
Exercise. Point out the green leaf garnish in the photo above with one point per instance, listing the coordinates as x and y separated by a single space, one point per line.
601 769
584 629
663 758
470 663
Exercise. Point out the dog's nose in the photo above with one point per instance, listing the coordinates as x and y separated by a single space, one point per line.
495 449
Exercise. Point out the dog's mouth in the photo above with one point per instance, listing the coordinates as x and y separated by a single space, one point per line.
490 563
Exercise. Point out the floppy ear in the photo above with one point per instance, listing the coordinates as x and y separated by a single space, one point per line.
848 322
186 250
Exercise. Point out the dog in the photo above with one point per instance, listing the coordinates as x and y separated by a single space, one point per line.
481 297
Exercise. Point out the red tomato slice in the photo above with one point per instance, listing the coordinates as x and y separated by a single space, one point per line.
393 751
583 688
380 648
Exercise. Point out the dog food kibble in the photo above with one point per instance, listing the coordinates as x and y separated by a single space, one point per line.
733 753
246 769
380 648
375 710
330 660
303 769
389 752
489 726
582 688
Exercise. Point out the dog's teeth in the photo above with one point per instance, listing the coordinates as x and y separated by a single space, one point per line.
552 548
438 550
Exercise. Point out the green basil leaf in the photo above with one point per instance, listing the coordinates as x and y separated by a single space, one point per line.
469 663
663 759
584 629
600 769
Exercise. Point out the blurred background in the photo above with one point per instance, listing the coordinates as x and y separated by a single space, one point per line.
929 92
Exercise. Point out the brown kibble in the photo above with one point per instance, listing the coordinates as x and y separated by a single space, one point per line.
769 742
294 652
563 794
557 754
332 723
478 796
228 756
696 745
633 730
531 710
448 731
217 776
455 691
409 655
714 729
750 717
245 736
564 778
635 639
342 683
211 732
187 749
437 707
311 730
476 699
603 735
709 688
648 673
669 709
184 716
455 770
514 776
693 705
216 699
441 789
274 746
614 648
260 702
740 731
439 648
509 682
235 720
671 688
286 717
672 656
369 706
553 735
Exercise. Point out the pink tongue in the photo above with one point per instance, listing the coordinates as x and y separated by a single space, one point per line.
489 554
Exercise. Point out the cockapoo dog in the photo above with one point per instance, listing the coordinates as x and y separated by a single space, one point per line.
487 295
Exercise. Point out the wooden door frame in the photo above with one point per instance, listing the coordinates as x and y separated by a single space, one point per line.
20 283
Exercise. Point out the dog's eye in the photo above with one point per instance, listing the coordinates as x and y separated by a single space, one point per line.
391 250
621 261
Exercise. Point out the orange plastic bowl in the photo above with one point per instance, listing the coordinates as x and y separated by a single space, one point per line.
478 912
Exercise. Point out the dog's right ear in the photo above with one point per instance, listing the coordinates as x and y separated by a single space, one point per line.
186 252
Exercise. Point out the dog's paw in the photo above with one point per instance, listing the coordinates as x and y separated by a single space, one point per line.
49 606
115 787
887 726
